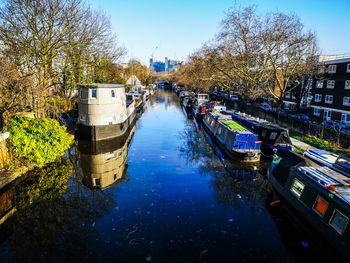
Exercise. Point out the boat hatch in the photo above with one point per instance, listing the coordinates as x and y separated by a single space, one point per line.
325 176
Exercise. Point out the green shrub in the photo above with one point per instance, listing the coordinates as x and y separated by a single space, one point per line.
37 141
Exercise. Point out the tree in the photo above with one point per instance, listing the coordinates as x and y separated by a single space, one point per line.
13 90
55 44
293 56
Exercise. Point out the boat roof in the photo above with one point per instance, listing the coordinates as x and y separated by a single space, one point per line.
325 176
101 86
317 151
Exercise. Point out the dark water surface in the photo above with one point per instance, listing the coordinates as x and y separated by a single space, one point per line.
167 195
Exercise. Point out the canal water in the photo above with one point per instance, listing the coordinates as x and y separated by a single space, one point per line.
164 193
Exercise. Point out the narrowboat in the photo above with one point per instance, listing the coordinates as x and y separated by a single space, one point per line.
273 138
319 194
200 105
236 142
335 161
104 112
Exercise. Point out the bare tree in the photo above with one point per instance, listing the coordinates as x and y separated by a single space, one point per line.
293 56
57 43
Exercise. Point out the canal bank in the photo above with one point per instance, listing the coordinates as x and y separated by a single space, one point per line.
180 200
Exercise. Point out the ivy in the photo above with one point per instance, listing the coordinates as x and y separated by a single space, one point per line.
38 141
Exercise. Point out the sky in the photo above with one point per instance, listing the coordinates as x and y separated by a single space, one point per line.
179 27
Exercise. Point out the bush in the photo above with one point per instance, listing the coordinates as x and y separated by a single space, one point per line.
37 141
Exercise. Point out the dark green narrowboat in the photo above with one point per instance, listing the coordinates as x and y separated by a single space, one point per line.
319 194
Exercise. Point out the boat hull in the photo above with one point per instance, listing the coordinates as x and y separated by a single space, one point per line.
104 132
313 219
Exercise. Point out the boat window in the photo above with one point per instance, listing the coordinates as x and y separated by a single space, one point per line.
219 130
339 221
273 135
320 206
113 93
97 182
297 187
110 156
120 153
94 93
115 176
263 133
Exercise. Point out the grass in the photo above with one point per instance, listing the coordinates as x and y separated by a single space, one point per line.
319 143
233 125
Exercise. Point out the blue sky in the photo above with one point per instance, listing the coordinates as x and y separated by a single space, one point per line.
180 27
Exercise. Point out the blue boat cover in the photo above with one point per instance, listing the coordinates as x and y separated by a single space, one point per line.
246 140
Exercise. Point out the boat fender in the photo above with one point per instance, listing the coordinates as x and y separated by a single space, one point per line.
274 203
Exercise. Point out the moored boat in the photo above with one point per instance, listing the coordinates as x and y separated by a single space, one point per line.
236 142
335 161
319 194
104 112
200 105
273 138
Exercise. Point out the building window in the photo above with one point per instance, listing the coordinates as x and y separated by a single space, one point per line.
327 115
345 117
320 206
347 84
346 101
93 93
318 97
348 68
329 99
287 95
332 68
339 221
297 187
330 84
113 93
319 84
317 111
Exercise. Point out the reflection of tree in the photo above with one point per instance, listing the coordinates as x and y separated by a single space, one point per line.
232 181
58 221
44 184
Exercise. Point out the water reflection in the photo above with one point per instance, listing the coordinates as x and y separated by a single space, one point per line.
103 163
233 182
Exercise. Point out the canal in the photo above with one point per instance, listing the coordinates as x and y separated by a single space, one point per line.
162 194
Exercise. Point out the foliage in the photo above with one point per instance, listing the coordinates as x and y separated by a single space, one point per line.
37 141
55 44
321 144
45 183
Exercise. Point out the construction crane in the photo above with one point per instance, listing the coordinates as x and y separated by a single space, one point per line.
155 49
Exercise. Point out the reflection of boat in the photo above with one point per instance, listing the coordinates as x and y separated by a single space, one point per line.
104 162
336 162
237 142
271 136
320 194
104 112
